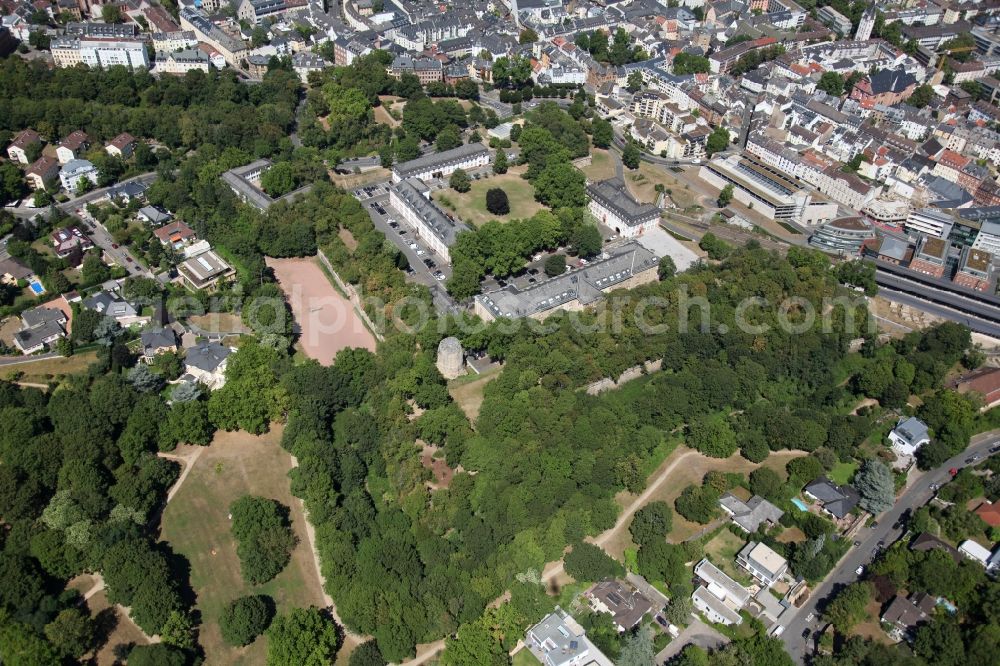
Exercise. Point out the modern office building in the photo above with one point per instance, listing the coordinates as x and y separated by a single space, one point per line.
766 189
845 236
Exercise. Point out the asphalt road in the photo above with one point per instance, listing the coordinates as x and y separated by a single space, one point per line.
102 239
422 274
82 200
915 496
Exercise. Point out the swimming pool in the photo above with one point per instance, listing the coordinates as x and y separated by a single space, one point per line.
37 287
802 506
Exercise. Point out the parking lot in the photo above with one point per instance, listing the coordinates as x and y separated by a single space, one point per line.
426 267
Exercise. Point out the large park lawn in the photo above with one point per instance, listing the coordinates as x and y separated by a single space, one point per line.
470 207
196 524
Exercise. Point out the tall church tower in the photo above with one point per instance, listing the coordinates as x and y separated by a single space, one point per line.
866 24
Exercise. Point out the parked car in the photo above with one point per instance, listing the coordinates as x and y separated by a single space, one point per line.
662 622
995 448
860 570
439 275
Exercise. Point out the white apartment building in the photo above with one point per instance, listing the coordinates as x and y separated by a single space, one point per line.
929 221
99 52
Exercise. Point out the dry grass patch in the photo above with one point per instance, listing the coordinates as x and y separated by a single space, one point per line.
122 633
722 551
220 322
196 524
382 116
468 392
602 165
51 368
642 183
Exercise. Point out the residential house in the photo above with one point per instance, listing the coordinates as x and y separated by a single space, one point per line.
626 605
925 542
908 436
156 341
985 382
838 501
13 271
73 146
177 234
719 597
154 215
125 193
122 146
765 565
204 271
40 326
206 363
990 513
75 172
70 243
111 304
559 640
18 150
905 615
43 172
750 515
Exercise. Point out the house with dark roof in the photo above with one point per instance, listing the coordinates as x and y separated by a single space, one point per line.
906 614
112 305
206 363
750 515
925 541
626 606
838 501
40 326
157 341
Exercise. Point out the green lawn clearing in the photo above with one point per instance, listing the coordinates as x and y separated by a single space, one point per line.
842 472
470 207
523 657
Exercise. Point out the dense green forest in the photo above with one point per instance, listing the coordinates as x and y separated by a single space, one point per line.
548 458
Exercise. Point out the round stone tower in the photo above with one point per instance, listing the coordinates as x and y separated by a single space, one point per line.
450 358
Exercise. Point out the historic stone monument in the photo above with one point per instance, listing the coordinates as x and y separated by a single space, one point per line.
450 358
